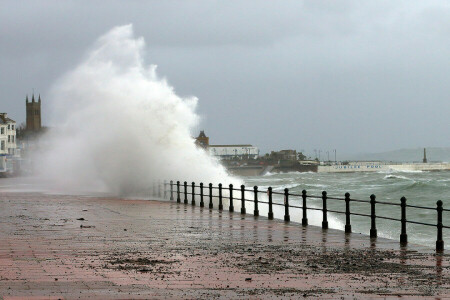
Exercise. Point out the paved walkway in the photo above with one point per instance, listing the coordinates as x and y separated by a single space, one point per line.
68 247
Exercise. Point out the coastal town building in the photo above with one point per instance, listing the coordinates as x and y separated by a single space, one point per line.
227 152
7 141
234 151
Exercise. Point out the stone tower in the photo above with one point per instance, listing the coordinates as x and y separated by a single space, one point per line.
33 113
202 140
425 156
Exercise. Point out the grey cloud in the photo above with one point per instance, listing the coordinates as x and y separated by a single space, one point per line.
352 75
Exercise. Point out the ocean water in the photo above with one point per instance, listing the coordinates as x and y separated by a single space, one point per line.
420 188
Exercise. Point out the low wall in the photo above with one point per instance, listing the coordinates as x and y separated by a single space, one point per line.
383 167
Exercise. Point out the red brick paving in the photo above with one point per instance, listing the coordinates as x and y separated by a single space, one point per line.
152 249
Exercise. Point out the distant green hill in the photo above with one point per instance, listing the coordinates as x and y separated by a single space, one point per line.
434 154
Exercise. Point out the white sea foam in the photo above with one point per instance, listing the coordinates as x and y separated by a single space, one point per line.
286 186
391 176
120 126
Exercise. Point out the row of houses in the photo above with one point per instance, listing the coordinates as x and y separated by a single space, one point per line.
10 149
8 142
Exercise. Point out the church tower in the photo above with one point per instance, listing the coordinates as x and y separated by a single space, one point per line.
33 114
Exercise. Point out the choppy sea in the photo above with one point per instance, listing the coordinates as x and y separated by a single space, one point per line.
420 188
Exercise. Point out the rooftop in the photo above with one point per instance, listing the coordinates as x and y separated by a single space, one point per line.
4 119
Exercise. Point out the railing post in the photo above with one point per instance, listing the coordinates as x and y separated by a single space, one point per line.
193 193
231 208
178 192
373 227
220 197
269 192
324 210
256 210
348 226
210 196
403 235
165 189
439 241
185 193
304 209
243 211
171 190
159 188
287 217
202 204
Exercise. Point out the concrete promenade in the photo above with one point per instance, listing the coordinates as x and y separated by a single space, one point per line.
70 247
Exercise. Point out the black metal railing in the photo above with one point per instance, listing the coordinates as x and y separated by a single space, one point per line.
304 207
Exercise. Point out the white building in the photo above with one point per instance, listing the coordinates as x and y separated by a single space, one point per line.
7 142
234 151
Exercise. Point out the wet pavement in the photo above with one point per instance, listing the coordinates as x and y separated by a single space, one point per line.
70 247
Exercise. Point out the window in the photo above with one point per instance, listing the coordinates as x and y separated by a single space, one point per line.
3 130
12 127
9 126
9 139
2 145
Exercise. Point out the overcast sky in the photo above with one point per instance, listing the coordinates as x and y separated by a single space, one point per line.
356 76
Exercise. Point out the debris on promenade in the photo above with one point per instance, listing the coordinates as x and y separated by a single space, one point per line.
72 247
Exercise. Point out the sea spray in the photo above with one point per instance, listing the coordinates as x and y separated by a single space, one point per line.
117 126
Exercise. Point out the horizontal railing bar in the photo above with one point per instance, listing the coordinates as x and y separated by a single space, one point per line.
361 201
335 198
295 206
421 223
358 214
313 208
295 195
279 193
336 211
421 207
315 197
388 218
388 203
